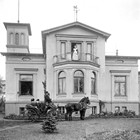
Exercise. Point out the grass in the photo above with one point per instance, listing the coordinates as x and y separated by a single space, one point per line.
89 129
10 123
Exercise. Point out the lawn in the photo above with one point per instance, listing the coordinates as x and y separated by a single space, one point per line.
11 123
91 129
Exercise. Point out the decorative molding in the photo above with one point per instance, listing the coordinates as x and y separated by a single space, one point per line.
18 46
120 71
77 36
76 62
26 69
26 58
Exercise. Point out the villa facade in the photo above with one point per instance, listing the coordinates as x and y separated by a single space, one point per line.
73 64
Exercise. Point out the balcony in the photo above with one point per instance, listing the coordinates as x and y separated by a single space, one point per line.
82 58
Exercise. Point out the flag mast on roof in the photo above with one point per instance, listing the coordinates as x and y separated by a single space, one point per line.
75 12
18 10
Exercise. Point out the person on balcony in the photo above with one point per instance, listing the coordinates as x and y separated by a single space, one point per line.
75 53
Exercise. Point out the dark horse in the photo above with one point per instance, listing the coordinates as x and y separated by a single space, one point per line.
74 107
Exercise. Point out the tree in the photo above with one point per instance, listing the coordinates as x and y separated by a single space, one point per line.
1 85
2 100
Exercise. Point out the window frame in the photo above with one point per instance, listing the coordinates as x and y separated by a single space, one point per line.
91 48
61 109
73 43
22 111
78 78
22 38
120 83
63 54
11 38
17 39
94 78
63 79
20 82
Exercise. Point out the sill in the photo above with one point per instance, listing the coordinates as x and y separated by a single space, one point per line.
120 95
60 94
78 93
25 95
94 94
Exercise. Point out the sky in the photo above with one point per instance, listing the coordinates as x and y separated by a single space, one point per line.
120 18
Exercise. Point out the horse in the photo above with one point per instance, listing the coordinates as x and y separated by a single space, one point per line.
74 107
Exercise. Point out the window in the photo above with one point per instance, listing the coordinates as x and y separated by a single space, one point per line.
61 83
11 39
21 110
76 50
26 85
61 109
93 83
94 110
22 39
63 49
120 85
17 39
89 48
78 82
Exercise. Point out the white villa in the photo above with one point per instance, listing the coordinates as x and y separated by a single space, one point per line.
73 64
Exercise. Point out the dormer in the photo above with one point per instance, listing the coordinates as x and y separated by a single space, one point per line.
18 37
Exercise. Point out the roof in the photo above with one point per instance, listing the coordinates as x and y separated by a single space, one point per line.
105 34
45 32
6 24
121 57
22 54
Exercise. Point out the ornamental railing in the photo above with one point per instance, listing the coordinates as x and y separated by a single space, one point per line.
87 57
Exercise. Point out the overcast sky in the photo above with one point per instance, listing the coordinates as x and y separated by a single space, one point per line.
120 18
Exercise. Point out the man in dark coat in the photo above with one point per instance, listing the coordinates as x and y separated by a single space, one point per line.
47 101
47 98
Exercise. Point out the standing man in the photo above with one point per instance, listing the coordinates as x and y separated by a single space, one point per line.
47 98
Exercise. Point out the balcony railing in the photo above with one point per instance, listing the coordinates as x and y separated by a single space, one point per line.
82 57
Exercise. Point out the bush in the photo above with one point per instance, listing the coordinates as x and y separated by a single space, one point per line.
125 114
49 125
16 117
2 104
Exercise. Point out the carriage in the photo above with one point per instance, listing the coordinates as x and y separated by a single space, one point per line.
39 110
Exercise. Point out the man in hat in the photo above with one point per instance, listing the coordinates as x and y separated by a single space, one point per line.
47 98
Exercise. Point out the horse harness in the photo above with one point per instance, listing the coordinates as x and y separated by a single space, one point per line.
83 105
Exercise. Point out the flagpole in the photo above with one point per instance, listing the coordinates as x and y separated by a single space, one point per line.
18 11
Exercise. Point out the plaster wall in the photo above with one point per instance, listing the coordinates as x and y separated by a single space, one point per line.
52 49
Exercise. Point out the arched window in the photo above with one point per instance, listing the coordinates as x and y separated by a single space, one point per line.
22 39
62 83
17 39
78 82
11 39
93 83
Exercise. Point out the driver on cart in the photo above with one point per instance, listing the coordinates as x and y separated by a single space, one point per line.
47 100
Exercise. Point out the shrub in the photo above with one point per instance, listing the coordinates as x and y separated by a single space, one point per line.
15 117
2 104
